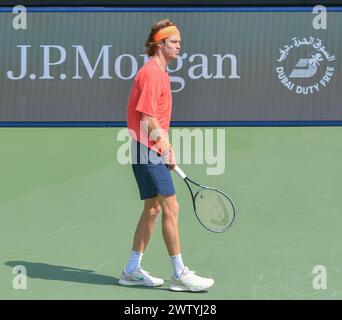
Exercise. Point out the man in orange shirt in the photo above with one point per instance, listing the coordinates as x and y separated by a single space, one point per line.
148 120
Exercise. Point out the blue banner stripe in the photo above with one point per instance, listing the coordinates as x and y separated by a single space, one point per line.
173 124
168 9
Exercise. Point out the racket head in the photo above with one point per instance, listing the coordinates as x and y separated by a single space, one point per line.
214 210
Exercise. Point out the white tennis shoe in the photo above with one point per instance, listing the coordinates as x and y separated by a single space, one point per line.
139 277
189 281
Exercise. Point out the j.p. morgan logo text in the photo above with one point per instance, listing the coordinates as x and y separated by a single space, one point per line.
53 61
305 66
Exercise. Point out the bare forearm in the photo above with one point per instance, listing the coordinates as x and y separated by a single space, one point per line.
154 129
157 134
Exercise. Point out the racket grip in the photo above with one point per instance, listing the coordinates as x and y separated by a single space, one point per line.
180 172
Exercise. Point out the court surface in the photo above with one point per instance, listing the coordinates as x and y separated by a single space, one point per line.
69 210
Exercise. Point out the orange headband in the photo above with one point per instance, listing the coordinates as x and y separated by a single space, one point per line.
165 33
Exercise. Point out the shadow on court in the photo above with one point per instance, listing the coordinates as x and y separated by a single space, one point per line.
38 270
46 271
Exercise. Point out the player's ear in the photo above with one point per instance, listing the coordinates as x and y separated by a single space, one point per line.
161 43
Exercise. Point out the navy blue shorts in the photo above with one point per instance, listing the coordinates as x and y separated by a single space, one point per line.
151 173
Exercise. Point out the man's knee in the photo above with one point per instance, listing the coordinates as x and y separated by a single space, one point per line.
153 211
171 208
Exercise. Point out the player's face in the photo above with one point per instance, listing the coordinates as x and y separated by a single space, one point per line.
171 47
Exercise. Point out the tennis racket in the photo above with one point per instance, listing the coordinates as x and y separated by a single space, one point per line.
213 208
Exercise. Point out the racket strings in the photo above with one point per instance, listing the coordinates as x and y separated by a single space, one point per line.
214 209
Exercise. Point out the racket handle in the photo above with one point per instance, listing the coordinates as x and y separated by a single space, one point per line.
180 172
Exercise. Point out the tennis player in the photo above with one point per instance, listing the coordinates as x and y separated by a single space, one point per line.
148 120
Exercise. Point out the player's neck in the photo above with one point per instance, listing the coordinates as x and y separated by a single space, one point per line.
161 61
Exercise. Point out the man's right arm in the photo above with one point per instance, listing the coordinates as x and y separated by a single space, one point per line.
157 134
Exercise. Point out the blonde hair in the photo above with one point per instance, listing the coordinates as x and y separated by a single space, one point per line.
150 44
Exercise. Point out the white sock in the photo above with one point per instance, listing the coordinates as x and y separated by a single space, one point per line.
134 261
178 265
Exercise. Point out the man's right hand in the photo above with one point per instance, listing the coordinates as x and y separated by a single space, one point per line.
167 152
171 159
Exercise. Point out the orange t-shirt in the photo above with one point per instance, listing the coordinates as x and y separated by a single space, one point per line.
150 94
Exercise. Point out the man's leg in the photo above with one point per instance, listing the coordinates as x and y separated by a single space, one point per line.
146 224
133 274
182 279
170 210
